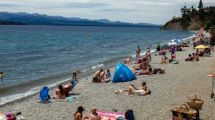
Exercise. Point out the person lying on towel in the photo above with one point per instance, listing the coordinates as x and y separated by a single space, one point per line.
144 71
132 90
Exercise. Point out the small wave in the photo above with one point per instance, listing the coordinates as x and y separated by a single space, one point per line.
188 38
14 97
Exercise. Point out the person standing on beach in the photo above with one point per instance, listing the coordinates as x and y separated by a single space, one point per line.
172 50
148 53
1 75
158 47
138 50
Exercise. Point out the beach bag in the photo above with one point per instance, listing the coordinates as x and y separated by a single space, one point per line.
195 103
183 113
129 115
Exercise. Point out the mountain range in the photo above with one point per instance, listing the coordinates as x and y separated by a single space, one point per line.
22 18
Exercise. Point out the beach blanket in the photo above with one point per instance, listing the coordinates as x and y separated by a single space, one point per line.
71 98
111 115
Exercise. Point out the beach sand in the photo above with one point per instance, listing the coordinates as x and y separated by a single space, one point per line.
168 91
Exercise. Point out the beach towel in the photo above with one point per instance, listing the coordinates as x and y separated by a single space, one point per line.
71 98
44 94
111 115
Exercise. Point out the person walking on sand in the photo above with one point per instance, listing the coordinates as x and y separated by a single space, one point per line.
138 50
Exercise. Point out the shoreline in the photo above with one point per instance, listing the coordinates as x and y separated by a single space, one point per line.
168 90
53 81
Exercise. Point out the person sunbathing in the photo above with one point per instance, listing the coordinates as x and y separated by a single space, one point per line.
132 90
99 76
189 58
63 90
158 70
144 71
94 115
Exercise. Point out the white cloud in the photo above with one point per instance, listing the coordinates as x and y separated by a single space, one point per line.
151 11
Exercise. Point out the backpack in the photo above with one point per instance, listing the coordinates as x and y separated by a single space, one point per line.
129 115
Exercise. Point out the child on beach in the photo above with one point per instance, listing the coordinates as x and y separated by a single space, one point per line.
108 76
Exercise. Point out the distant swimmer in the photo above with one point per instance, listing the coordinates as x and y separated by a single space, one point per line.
1 75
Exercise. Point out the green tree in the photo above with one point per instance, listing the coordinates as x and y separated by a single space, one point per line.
200 4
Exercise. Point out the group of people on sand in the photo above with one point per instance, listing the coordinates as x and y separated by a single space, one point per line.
192 57
101 76
141 65
133 90
78 115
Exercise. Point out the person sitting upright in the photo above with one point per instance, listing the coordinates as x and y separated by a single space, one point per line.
78 115
99 76
108 76
196 57
163 60
94 115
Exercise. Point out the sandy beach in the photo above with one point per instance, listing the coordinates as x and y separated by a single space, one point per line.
168 91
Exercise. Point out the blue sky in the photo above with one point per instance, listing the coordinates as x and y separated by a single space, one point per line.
135 11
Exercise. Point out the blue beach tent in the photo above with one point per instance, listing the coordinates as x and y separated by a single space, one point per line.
122 74
44 94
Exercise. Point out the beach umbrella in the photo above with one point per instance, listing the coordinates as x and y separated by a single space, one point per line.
201 47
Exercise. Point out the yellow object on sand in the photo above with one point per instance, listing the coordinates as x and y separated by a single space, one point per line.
201 47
